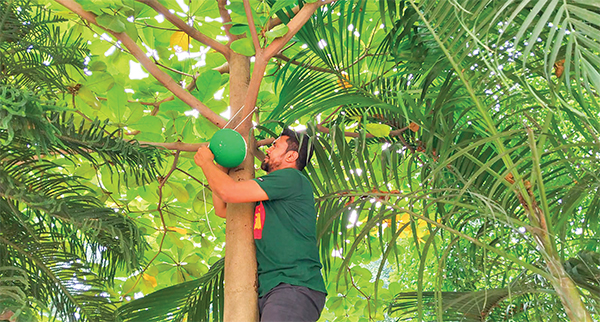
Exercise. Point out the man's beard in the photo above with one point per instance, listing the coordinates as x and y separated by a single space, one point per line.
265 165
269 165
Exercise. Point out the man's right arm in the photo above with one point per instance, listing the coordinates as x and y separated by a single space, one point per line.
219 205
229 190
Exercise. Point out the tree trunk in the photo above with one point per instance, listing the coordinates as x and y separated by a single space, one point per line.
567 291
561 281
240 260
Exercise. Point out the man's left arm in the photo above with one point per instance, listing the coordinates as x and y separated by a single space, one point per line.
229 190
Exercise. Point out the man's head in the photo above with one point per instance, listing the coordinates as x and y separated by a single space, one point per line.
290 150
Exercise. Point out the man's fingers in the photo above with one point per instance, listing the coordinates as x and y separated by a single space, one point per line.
203 155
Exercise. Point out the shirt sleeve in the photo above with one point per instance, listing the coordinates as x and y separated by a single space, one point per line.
279 184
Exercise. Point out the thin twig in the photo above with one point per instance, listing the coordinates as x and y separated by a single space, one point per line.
176 146
145 24
194 178
172 69
182 25
332 114
165 229
359 59
368 298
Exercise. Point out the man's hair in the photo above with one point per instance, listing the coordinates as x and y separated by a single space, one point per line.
301 143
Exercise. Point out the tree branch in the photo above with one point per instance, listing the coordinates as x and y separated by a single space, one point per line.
223 69
162 219
191 31
274 22
226 21
264 142
193 147
151 67
251 25
176 146
264 55
294 26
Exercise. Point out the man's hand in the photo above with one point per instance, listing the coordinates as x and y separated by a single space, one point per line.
204 156
227 189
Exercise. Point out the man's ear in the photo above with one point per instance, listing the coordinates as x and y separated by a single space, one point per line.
291 156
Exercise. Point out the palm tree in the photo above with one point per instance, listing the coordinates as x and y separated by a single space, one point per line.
501 148
60 246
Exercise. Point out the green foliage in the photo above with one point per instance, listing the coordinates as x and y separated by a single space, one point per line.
454 170
34 51
55 230
57 278
22 112
243 46
196 300
448 137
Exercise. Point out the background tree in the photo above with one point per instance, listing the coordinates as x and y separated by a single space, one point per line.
452 138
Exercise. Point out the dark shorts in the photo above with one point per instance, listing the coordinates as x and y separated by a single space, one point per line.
287 302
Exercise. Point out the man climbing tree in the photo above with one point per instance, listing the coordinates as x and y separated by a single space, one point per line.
290 284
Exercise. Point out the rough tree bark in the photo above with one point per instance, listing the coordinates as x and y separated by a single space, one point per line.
240 260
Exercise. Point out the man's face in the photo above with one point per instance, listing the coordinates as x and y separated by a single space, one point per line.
275 154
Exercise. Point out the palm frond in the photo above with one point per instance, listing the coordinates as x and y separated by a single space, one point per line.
51 130
58 203
500 145
461 192
527 294
584 269
54 226
34 53
476 306
515 32
196 300
61 200
13 297
58 279
398 77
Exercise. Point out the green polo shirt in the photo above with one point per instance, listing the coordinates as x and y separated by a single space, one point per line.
285 236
